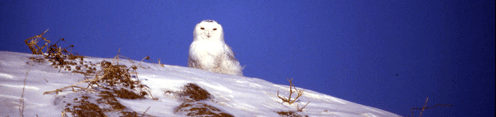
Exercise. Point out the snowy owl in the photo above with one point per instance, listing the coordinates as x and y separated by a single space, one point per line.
208 51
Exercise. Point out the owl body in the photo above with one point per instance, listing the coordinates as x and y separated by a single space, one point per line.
208 51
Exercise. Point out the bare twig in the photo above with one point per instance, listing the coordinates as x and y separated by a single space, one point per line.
291 86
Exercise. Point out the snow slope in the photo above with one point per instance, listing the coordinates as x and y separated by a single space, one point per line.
236 95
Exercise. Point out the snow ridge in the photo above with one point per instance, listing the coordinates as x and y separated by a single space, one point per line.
234 95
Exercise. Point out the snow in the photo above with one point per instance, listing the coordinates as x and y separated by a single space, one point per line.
235 95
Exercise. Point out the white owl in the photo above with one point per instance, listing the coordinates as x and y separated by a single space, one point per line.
208 51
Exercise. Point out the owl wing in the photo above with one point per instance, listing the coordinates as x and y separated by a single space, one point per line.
192 62
229 53
231 65
192 58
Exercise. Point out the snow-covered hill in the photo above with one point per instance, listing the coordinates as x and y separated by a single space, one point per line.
234 95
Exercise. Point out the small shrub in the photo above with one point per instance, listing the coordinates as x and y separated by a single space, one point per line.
291 87
289 100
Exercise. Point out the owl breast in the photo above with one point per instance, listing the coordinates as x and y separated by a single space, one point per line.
206 52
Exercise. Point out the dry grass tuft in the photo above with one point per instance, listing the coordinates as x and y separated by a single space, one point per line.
111 77
32 42
200 109
192 95
193 92
89 105
110 82
84 108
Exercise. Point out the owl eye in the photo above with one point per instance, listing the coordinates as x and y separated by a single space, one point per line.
202 28
215 28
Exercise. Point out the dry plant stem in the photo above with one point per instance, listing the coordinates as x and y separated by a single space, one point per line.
33 46
160 63
117 59
74 85
118 56
145 111
21 101
423 108
139 64
301 109
291 86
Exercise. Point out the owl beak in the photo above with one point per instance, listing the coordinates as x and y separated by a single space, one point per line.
208 35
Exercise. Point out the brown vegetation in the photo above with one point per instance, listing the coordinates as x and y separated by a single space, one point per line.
32 43
290 114
113 81
193 92
110 82
91 105
291 87
192 95
291 101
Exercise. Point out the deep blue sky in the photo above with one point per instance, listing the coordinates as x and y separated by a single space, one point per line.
441 49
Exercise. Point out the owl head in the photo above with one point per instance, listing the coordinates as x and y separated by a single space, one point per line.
208 30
